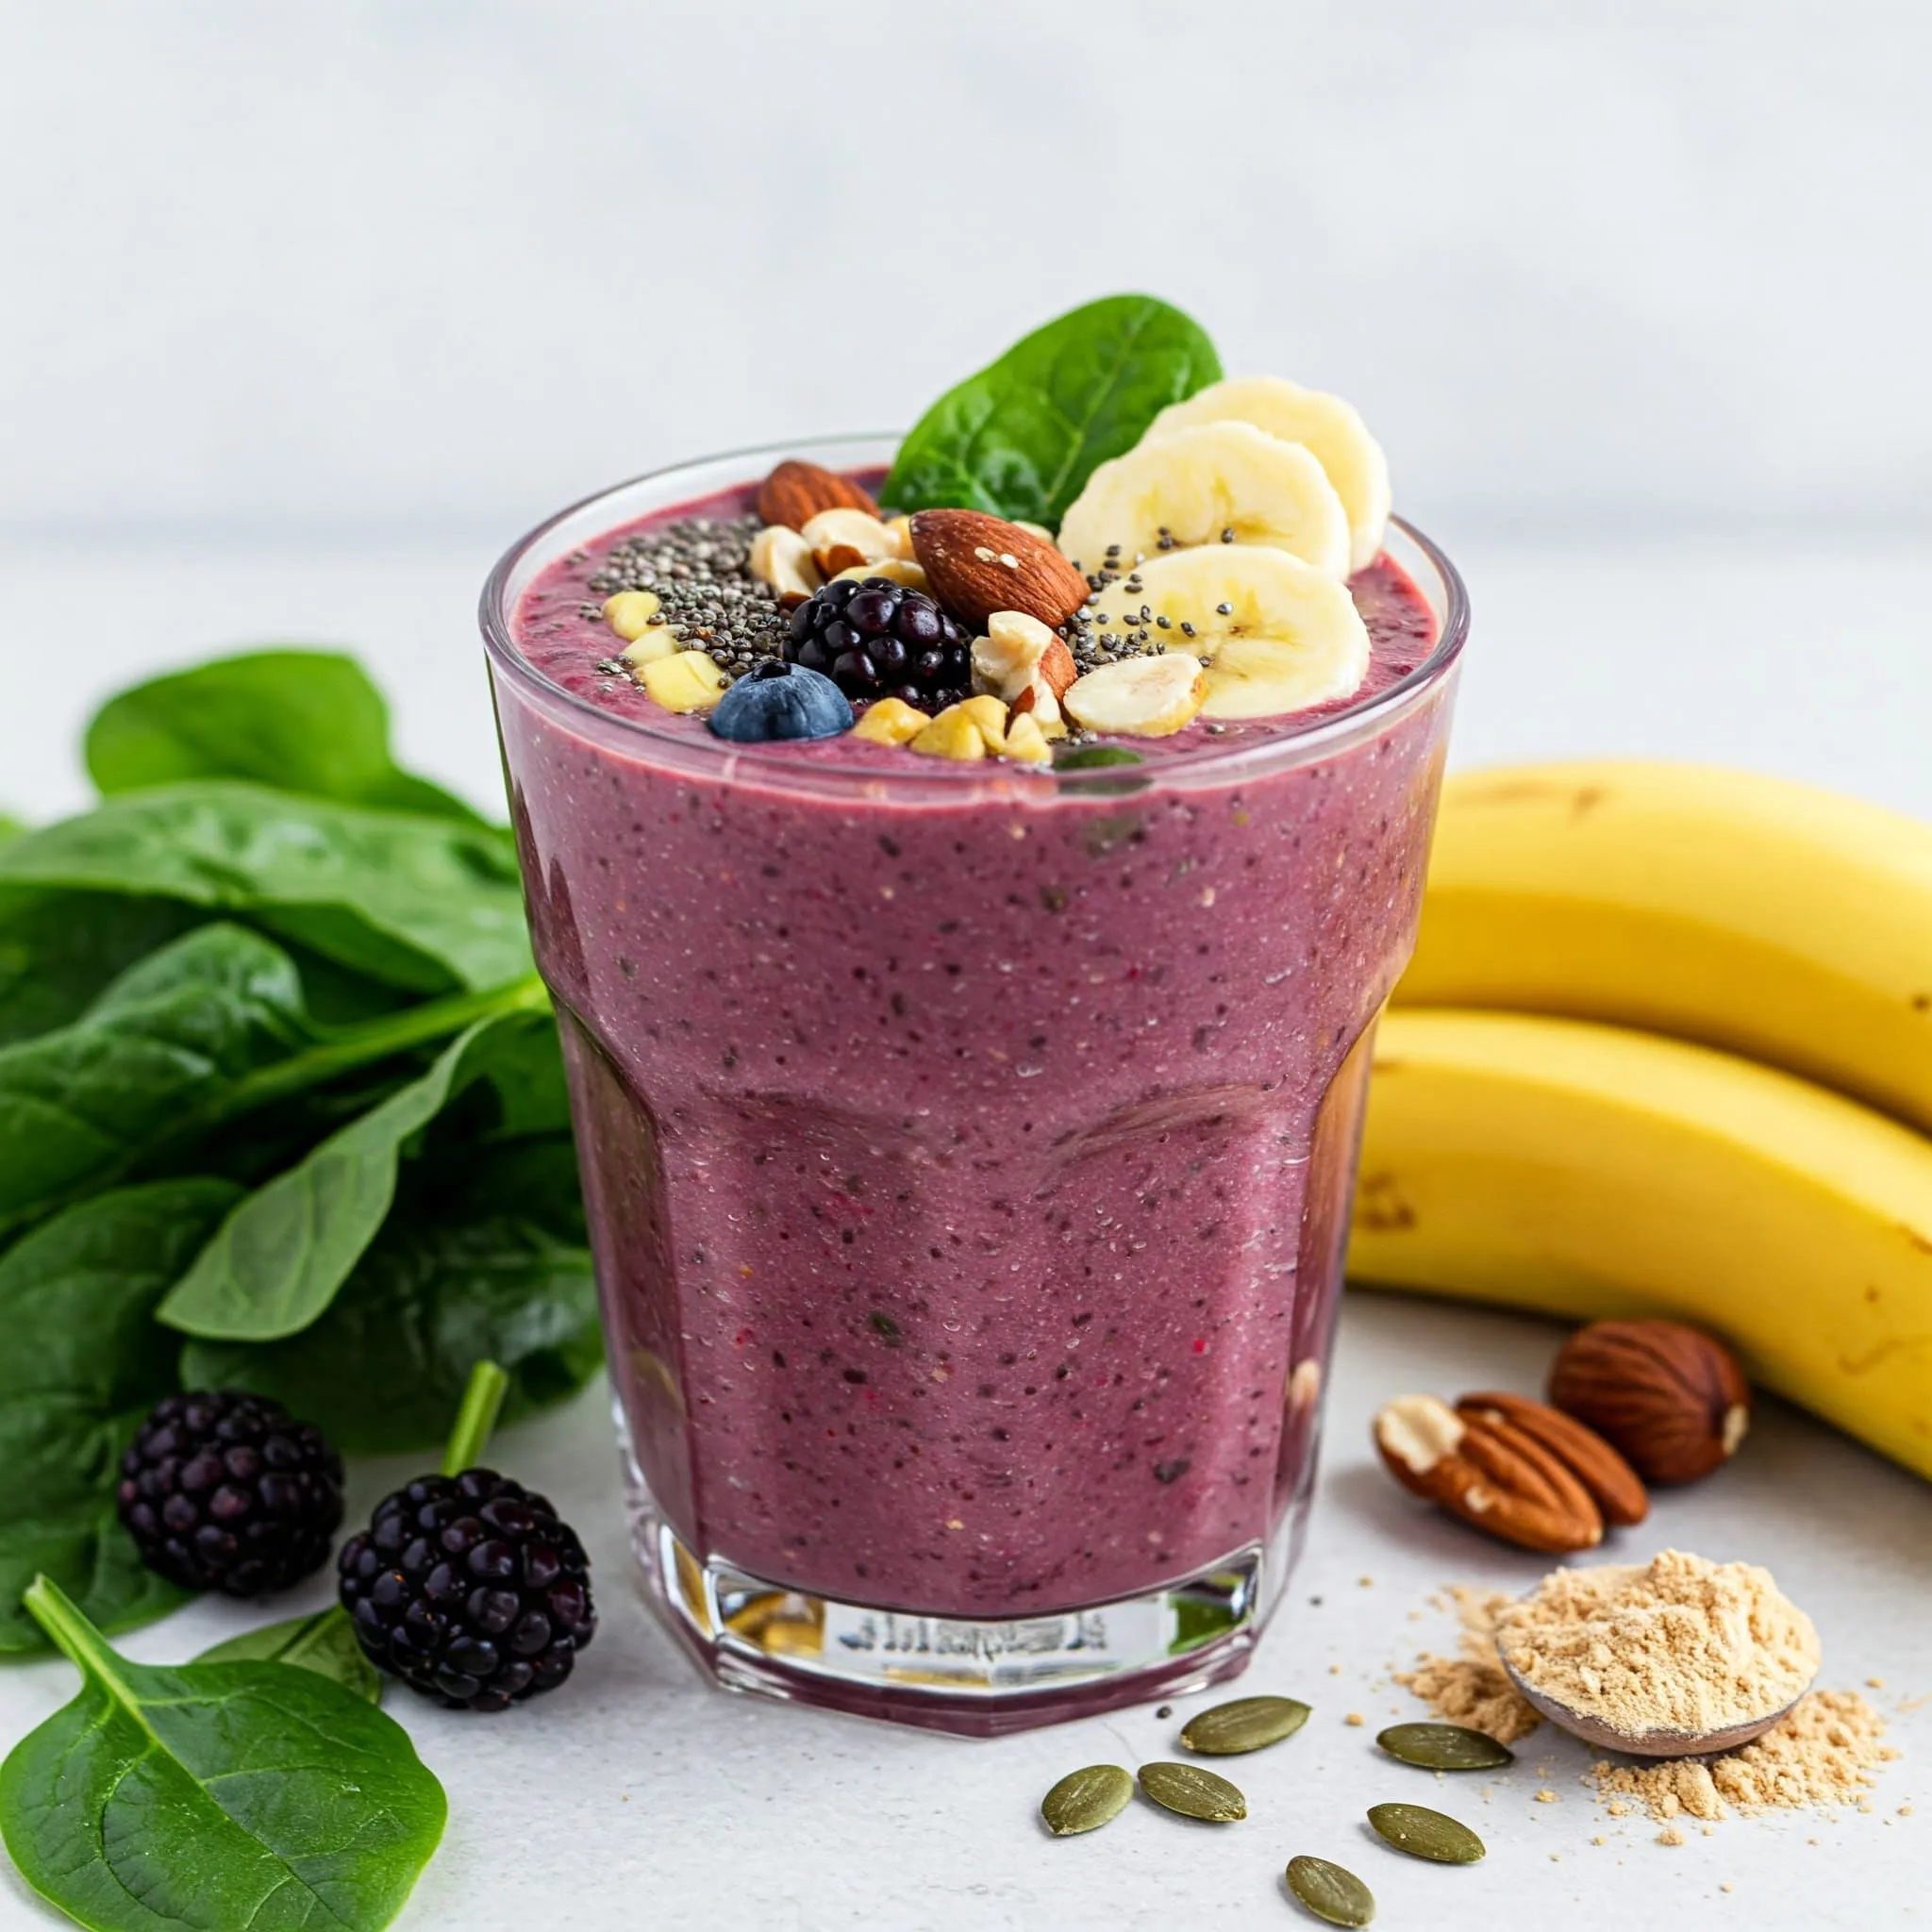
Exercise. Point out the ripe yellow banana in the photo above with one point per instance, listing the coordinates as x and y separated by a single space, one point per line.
1763 917
1586 1171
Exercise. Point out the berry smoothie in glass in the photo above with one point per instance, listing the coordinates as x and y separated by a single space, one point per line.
967 920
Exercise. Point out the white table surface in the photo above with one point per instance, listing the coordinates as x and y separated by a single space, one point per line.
636 1797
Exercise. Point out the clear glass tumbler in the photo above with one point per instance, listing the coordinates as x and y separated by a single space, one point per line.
968 1153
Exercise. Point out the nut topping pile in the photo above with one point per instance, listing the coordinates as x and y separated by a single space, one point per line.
1630 1401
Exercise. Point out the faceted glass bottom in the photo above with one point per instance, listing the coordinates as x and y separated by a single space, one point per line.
977 1676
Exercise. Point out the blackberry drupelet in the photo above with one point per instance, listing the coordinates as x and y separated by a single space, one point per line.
876 639
225 1491
470 1590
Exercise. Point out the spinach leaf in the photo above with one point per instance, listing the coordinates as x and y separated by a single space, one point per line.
1022 437
223 1794
174 1032
419 902
84 1362
277 1260
298 721
482 1256
323 1641
203 1051
58 950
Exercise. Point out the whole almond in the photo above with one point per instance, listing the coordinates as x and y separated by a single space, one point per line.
978 564
1670 1398
1487 1474
796 492
1617 1488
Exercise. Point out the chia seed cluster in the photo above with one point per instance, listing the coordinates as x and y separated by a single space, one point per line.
700 570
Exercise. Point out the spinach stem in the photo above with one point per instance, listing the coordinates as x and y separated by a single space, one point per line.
482 1399
378 1040
62 1619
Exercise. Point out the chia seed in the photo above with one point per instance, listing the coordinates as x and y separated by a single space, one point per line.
700 570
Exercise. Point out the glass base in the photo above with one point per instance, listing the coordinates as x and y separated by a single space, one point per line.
979 1678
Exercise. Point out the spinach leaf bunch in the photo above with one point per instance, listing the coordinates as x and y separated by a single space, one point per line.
281 1106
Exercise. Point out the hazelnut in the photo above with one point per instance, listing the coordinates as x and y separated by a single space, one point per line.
1670 1398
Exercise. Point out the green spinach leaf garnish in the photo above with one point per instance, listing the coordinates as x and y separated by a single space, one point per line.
1019 439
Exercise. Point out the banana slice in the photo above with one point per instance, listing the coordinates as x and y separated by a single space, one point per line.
1138 697
1197 485
1274 633
1326 425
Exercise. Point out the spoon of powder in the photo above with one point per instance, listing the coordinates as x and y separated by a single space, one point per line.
1676 1658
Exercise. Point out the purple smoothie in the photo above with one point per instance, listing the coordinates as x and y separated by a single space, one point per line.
967 1150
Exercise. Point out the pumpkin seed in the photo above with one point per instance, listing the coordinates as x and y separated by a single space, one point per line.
1425 1834
1330 1892
1445 1747
1193 1793
1246 1725
1085 1800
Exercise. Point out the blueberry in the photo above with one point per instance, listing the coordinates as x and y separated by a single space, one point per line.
780 700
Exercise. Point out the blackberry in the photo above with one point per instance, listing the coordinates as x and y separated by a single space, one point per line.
224 1491
470 1590
876 639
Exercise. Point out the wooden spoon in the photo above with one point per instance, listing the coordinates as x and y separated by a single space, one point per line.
1658 1744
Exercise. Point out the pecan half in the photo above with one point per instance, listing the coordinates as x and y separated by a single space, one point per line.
1488 1475
1617 1487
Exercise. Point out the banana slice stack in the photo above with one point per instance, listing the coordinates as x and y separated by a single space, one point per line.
1234 522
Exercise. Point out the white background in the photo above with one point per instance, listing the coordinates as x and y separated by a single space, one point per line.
306 311
446 264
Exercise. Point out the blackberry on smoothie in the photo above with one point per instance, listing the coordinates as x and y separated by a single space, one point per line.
968 894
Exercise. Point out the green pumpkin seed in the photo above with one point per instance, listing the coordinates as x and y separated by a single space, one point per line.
1085 1800
1246 1725
1445 1747
1328 1891
1193 1793
1425 1834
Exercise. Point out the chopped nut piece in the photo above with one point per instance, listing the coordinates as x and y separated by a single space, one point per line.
686 682
782 558
952 735
895 570
989 717
628 611
1026 742
840 538
1006 659
890 721
648 646
900 530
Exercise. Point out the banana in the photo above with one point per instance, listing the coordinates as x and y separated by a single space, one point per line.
1586 1171
1138 697
1763 917
1329 428
1274 633
1199 483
